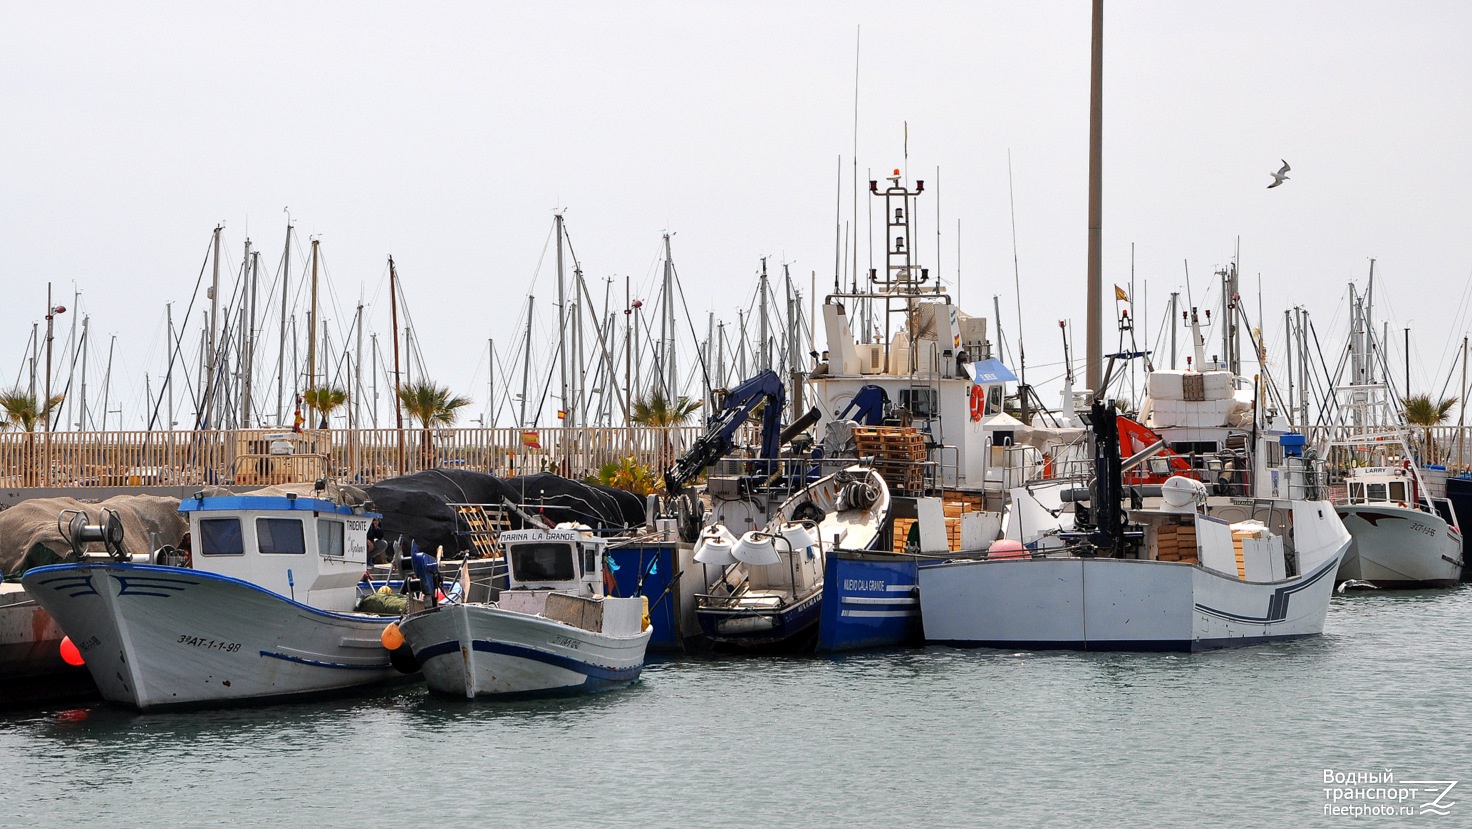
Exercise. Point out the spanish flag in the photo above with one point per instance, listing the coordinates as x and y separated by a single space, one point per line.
1120 295
531 440
298 419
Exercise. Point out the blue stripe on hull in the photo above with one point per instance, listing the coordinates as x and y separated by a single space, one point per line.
595 673
317 663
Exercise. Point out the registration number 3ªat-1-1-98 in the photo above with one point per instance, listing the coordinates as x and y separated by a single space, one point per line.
208 644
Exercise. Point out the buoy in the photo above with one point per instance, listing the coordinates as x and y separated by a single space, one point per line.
69 653
1007 548
391 637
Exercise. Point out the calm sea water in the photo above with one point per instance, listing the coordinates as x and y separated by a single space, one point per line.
924 737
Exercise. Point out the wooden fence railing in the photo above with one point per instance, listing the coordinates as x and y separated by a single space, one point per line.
363 456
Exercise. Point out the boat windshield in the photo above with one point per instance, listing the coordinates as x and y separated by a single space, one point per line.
538 562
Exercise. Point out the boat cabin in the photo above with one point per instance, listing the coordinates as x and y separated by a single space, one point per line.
1386 485
539 562
310 550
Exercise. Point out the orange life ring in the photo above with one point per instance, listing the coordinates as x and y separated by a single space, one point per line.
978 403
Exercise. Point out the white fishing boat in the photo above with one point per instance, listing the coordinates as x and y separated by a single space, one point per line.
1190 574
553 631
768 589
262 608
1399 541
1405 531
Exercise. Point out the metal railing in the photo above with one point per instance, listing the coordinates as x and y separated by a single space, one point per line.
362 456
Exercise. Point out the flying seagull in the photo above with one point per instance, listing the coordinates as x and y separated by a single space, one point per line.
1280 176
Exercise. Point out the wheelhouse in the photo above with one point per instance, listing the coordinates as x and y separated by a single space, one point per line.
308 549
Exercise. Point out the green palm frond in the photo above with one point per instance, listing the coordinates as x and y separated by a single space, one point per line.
1420 410
22 411
430 404
658 410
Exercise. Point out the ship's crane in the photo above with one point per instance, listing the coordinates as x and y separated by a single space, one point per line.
765 387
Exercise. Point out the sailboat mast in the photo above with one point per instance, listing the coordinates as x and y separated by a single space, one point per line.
393 304
562 324
281 354
357 394
526 363
107 381
169 379
82 403
667 324
312 325
209 378
248 359
761 303
1462 405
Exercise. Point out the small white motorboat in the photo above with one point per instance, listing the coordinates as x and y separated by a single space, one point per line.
768 591
262 607
552 631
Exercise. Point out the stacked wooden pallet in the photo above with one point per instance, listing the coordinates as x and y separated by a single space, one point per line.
898 452
1176 543
955 505
484 525
902 528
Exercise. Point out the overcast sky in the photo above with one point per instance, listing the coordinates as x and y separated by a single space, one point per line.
446 134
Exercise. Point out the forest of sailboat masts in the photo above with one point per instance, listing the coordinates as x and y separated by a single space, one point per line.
258 341
261 345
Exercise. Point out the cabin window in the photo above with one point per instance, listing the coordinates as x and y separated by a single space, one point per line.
1356 492
590 559
280 535
1398 491
1375 492
220 537
1195 447
329 538
920 402
993 401
542 562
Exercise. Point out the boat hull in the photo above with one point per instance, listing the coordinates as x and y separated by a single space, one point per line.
869 601
1399 547
1116 605
480 650
159 637
759 629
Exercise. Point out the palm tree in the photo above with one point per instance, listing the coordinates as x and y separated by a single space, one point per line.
430 405
326 400
1421 411
23 412
660 412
